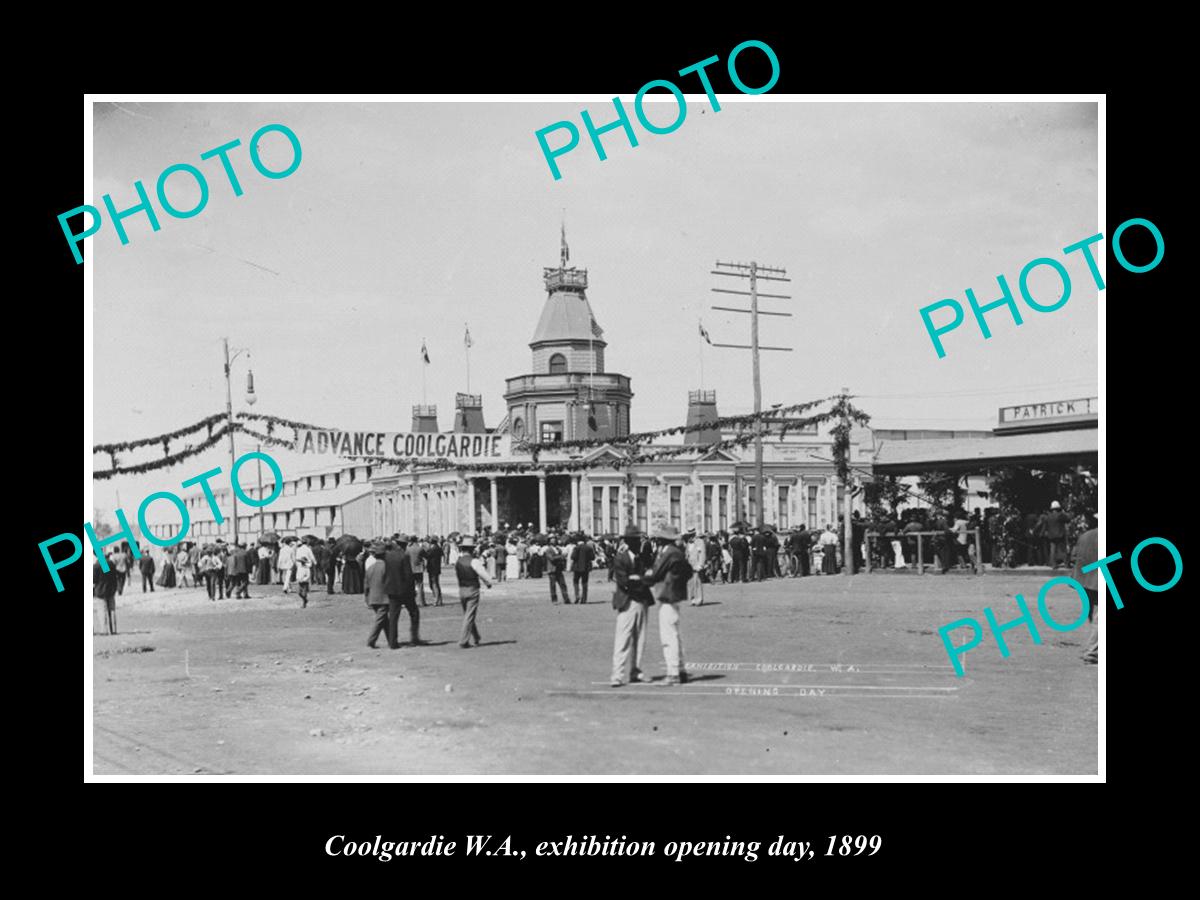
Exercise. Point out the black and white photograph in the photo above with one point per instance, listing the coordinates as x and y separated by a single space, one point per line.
802 398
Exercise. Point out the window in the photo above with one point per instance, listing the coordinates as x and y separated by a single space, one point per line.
614 511
812 506
308 483
783 506
677 506
751 504
558 364
708 507
597 511
518 427
723 507
640 497
551 432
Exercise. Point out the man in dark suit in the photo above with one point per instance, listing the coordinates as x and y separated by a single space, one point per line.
630 600
556 562
758 558
581 567
401 590
739 549
146 567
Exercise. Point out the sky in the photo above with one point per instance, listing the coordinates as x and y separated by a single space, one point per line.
405 222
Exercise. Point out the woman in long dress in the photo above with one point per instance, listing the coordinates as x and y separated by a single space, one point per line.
167 577
352 574
512 564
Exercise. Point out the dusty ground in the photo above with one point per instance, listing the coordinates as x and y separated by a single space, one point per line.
823 675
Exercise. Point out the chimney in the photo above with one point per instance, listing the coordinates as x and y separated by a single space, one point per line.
702 408
425 419
468 414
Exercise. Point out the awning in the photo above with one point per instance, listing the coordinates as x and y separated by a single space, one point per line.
1068 447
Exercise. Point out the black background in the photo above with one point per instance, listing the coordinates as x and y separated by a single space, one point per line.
945 836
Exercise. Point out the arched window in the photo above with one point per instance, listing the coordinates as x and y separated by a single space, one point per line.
558 364
518 427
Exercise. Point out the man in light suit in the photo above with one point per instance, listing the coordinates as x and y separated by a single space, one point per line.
671 574
630 600
375 594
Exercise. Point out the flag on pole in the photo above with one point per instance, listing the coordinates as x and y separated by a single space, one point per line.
467 342
424 352
704 333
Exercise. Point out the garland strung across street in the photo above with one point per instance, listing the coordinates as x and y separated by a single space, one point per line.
210 421
168 460
842 412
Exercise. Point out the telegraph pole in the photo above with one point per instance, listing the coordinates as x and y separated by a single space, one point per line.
753 271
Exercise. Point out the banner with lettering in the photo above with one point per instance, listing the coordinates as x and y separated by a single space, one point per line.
405 445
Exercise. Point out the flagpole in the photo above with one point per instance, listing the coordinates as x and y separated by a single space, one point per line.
424 366
467 345
700 344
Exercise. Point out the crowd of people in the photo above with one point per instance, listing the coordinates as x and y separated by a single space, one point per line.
392 573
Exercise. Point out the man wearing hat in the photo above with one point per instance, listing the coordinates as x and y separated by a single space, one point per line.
1054 532
375 594
697 557
401 591
671 573
739 548
470 572
556 563
630 600
1087 551
582 557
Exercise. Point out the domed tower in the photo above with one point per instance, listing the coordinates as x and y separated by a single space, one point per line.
568 396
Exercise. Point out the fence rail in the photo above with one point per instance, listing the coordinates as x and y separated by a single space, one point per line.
903 536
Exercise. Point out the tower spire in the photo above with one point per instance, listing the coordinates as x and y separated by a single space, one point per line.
566 253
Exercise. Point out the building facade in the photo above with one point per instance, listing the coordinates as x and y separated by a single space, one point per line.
568 395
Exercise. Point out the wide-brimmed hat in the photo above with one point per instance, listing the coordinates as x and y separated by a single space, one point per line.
632 531
1054 504
666 533
466 542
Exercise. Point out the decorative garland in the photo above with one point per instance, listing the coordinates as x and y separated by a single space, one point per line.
170 460
163 439
842 410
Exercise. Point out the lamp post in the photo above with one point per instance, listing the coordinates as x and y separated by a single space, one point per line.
250 399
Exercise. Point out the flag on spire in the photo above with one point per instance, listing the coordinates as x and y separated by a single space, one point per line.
704 333
566 253
424 352
467 342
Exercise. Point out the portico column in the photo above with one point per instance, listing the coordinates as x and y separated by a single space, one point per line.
495 511
471 529
542 502
575 503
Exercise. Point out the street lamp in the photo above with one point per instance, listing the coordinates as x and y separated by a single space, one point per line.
250 399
